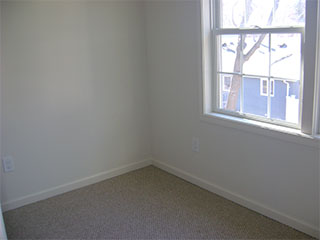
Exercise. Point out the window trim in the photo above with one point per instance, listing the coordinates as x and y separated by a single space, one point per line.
308 125
209 66
260 128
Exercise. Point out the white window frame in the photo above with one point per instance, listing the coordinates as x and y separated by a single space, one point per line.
210 84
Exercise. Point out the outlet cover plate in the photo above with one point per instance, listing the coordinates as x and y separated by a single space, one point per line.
8 165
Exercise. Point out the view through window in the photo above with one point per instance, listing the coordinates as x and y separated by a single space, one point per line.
259 61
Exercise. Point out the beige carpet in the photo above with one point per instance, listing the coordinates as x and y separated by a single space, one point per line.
145 204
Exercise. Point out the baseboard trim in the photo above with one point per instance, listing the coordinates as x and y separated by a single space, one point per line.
248 203
31 198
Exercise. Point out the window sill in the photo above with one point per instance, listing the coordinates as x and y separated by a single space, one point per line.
260 128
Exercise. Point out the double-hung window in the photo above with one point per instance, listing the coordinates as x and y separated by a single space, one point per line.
259 60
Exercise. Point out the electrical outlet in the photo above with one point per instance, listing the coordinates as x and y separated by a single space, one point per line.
195 144
8 165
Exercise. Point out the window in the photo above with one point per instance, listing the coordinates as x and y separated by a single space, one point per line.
256 64
264 87
272 88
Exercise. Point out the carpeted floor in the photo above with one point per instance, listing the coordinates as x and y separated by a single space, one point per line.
144 204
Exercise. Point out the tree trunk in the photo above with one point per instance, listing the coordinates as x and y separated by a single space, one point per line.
234 93
236 79
238 65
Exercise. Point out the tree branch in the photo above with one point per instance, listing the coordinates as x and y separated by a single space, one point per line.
254 48
283 58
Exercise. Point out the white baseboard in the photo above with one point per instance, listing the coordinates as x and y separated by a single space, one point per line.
248 203
19 202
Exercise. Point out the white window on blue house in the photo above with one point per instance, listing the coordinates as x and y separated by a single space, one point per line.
255 57
265 88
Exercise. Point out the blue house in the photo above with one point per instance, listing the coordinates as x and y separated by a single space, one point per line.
284 97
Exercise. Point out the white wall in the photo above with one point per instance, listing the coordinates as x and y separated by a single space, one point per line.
276 176
74 91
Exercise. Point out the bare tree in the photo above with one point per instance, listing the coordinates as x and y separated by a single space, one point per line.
238 64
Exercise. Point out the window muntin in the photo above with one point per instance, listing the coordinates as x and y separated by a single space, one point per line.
254 52
286 55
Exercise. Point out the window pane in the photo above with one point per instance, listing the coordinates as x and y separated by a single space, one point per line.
227 45
232 12
258 62
285 105
290 13
262 13
272 88
229 83
254 102
286 56
264 87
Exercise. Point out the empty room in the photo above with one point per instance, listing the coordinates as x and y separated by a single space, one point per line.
159 119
